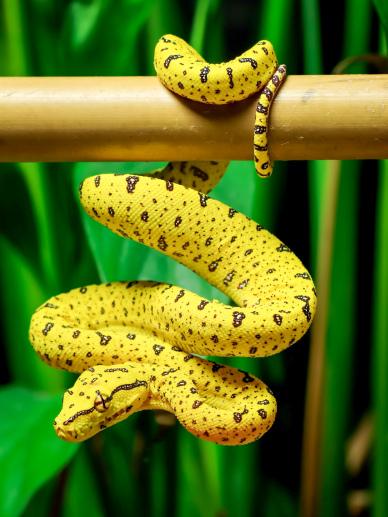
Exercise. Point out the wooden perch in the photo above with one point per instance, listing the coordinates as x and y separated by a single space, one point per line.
56 119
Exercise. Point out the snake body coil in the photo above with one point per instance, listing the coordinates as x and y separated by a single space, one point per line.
134 342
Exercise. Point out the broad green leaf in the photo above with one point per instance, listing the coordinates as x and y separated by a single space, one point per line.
161 22
100 37
30 452
198 486
82 487
380 349
20 294
382 10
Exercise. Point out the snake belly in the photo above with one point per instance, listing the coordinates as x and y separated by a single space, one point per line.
137 343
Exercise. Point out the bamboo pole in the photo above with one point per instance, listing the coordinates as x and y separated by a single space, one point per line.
136 119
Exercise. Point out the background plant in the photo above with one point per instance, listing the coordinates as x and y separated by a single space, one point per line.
47 245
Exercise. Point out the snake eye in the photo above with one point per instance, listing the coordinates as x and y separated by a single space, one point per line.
101 402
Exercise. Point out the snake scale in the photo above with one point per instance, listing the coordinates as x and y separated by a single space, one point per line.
138 344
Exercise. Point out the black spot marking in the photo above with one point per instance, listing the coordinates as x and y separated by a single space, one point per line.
231 212
203 73
178 221
171 370
261 148
97 181
261 109
158 349
83 290
104 340
262 413
51 305
203 199
238 318
278 319
259 130
199 173
47 328
179 295
162 244
196 404
229 71
214 265
169 185
283 247
253 62
202 305
304 275
243 284
247 377
131 183
237 417
144 216
170 58
267 92
76 333
111 211
229 277
306 307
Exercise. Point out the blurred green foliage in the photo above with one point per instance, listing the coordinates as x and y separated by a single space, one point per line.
47 246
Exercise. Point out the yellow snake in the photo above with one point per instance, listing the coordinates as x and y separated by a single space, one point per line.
138 343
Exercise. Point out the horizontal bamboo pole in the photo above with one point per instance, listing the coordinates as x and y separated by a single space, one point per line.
135 118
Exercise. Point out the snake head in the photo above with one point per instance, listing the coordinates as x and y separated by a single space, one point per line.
101 397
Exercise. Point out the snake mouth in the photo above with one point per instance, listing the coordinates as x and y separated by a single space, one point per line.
68 436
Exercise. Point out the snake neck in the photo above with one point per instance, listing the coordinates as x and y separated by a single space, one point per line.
198 175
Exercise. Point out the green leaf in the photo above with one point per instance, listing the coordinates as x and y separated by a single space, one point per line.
382 10
100 36
21 293
30 452
380 349
82 490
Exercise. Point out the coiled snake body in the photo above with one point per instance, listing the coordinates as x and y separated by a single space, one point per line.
137 343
